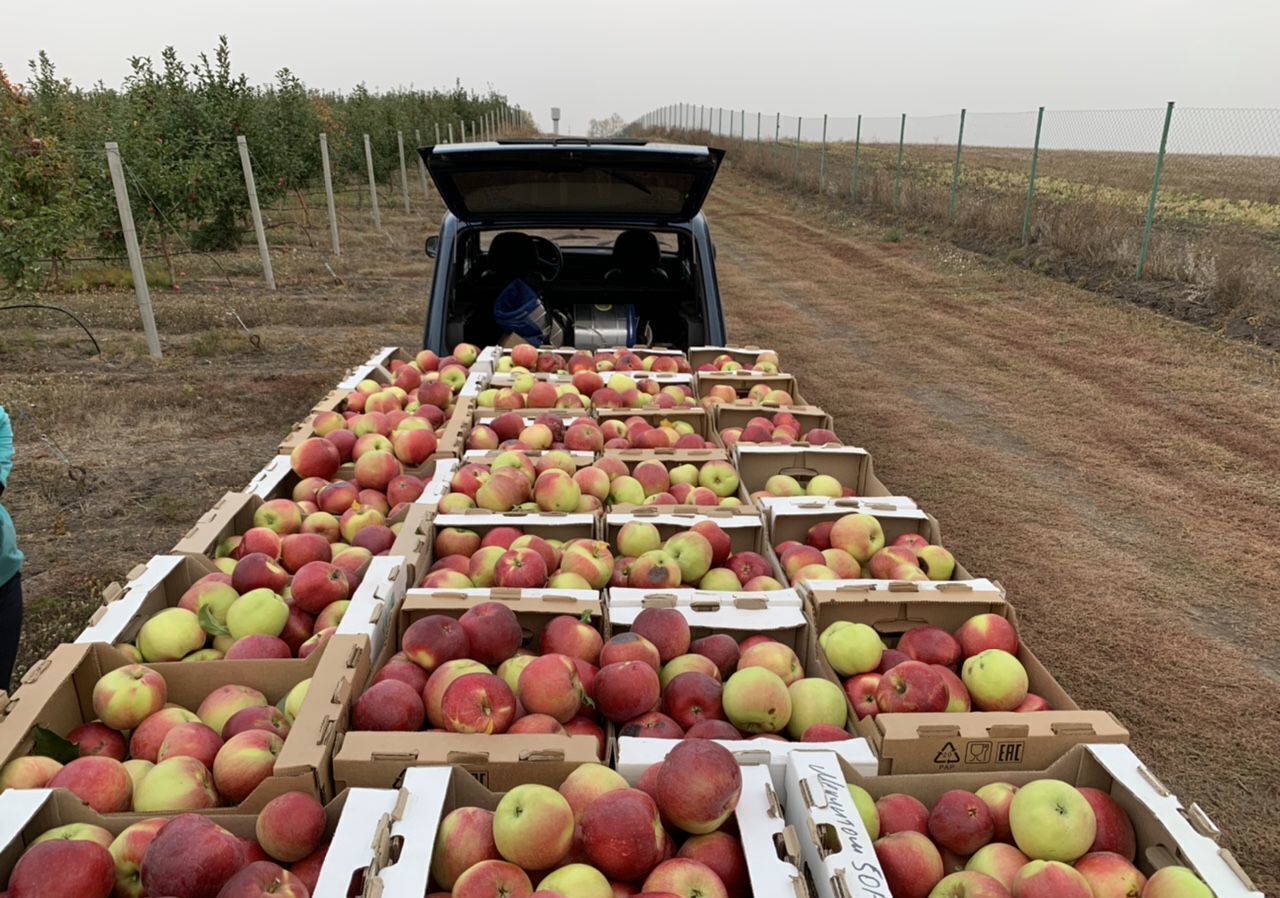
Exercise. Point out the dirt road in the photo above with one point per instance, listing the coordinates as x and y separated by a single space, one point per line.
1119 473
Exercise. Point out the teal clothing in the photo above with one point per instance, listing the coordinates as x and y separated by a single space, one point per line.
10 556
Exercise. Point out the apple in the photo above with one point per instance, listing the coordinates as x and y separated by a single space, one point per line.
961 822
244 762
666 628
170 634
911 864
692 697
280 515
1175 882
478 703
63 867
390 705
578 880
815 701
127 851
1114 831
861 692
432 640
318 584
692 552
631 646
550 685
193 740
891 659
440 680
986 631
626 690
533 827
98 739
99 781
756 700
999 860
689 663
590 559
586 783
858 534
290 826
774 656
298 549
937 562
851 649
256 647
653 725
902 813
1110 876
932 645
1033 703
912 687
1052 821
723 853
685 878
264 878
257 611
192 857
721 648
463 839
622 834
996 680
957 695
1050 879
998 797
75 832
259 717
28 772
493 632
520 569
748 566
968 884
721 544
126 696
572 636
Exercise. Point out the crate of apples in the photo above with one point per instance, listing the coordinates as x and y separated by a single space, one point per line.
656 552
810 427
696 478
1087 826
520 480
711 358
516 553
573 361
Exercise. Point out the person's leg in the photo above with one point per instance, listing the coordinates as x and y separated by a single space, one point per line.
10 627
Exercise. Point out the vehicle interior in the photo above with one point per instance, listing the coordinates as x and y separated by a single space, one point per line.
602 286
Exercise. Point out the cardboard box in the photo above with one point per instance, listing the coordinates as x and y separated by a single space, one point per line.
380 361
230 516
965 741
742 523
743 381
438 486
743 355
696 417
757 462
703 599
416 540
449 437
151 587
57 694
27 813
841 863
493 354
376 601
671 459
375 759
810 417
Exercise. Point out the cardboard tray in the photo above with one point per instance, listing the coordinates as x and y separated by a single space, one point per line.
372 367
449 438
26 813
695 416
745 355
743 381
673 458
841 863
725 415
277 480
966 741
57 694
742 523
375 759
850 465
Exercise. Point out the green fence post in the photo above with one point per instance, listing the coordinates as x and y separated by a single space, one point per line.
822 160
1031 183
897 176
799 124
955 171
1155 190
857 146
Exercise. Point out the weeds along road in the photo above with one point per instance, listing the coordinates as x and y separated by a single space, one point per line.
1118 472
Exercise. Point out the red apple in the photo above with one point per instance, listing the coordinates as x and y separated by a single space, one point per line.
191 857
622 834
902 813
432 640
912 687
550 685
98 739
263 879
912 865
1114 828
290 826
961 822
698 785
70 867
691 698
478 703
493 632
631 646
722 852
390 705
626 690
572 636
932 645
666 628
653 725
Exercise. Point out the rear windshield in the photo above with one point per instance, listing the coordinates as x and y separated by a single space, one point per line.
591 190
596 238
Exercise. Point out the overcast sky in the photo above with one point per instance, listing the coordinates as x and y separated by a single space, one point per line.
594 57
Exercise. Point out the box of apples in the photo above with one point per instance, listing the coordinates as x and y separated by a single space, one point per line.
940 679
716 549
780 474
1093 824
748 388
733 358
880 538
168 737
679 422
545 481
384 365
458 551
52 844
689 480
739 670
488 678
574 361
695 824
806 425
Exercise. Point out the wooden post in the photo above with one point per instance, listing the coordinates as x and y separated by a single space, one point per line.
437 134
404 174
450 132
328 193
263 250
373 183
135 254
422 166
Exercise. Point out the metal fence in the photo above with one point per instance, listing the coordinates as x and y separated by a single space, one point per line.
1188 195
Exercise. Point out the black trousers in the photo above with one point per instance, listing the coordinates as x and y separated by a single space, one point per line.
10 627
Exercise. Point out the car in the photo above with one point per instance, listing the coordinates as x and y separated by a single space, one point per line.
609 233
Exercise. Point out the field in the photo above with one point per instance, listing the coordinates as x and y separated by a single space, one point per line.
1114 469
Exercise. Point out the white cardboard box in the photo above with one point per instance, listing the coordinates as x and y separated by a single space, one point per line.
373 607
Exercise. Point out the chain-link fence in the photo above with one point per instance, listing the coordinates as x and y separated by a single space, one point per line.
1132 199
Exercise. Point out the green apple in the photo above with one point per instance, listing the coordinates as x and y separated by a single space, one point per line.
824 485
866 806
533 827
832 628
996 680
756 701
684 474
172 634
578 880
293 701
1050 820
257 611
637 537
853 649
815 700
1176 882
